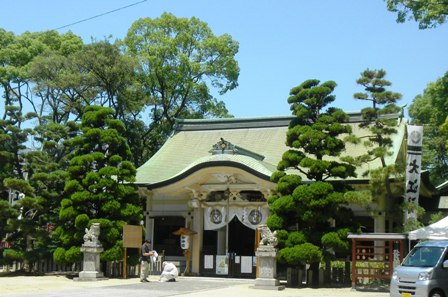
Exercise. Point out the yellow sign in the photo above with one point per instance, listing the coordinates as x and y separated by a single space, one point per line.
132 236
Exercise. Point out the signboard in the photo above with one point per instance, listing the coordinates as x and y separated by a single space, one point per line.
246 264
221 265
208 261
132 236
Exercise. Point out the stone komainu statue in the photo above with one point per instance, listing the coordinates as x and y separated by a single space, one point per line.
92 234
268 238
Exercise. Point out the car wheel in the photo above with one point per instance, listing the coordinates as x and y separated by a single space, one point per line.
436 293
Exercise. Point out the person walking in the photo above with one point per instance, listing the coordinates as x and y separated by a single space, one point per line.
146 254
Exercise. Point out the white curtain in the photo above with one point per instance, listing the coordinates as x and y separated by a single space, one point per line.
215 217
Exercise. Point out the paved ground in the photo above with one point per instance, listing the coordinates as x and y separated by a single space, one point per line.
60 286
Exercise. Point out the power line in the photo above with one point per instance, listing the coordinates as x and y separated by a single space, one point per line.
100 15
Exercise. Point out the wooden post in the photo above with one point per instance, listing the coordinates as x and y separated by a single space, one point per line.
353 263
257 241
401 242
185 232
124 264
187 260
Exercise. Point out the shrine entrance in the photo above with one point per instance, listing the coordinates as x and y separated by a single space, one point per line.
241 238
242 261
229 251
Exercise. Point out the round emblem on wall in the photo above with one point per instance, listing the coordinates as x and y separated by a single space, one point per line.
255 217
216 216
415 137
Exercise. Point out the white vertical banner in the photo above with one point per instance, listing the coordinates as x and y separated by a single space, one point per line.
413 166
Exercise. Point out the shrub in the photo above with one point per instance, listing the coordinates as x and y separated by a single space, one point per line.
306 252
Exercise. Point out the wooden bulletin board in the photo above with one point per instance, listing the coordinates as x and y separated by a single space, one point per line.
132 236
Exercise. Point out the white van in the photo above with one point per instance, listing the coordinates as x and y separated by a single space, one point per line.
424 271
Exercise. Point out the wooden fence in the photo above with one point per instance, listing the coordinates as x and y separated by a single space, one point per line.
110 269
335 274
328 275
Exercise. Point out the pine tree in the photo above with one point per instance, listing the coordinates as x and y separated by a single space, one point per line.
376 118
308 210
98 188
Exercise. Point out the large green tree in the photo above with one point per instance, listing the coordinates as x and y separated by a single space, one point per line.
47 170
430 110
95 74
47 79
112 75
181 63
311 215
378 141
21 109
21 226
428 13
98 188
16 54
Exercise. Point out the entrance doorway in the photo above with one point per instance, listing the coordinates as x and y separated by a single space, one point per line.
241 239
165 242
241 250
240 261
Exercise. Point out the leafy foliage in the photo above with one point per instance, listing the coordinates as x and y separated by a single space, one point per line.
428 13
299 254
99 187
55 76
180 61
6 214
378 142
430 110
303 212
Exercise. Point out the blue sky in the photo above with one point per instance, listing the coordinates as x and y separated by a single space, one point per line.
282 42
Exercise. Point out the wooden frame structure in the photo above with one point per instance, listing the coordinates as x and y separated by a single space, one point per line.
374 255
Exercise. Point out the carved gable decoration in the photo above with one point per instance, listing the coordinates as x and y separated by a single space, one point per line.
225 147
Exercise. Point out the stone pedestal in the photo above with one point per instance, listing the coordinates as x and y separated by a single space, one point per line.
267 269
91 264
91 249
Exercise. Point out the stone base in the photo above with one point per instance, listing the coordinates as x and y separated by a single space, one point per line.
90 276
189 274
77 279
276 288
267 284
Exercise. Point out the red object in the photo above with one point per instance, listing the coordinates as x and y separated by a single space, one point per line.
184 231
5 245
50 227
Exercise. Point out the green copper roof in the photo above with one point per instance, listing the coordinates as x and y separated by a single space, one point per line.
258 145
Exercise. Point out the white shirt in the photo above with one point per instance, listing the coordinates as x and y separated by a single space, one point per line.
169 272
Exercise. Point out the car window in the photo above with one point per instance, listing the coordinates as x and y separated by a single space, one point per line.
423 256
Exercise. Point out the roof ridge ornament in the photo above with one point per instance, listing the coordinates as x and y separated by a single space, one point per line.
223 147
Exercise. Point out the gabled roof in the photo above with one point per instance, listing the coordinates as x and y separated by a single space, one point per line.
255 144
